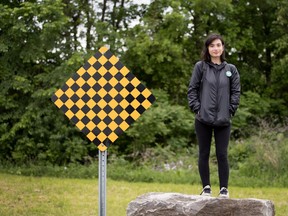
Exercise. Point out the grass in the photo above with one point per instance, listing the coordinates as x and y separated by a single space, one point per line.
20 195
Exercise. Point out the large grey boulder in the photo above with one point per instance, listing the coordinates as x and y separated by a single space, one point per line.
176 204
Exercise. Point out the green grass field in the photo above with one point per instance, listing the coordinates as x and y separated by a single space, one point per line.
29 196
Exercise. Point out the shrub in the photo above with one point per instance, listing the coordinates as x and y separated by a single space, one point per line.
163 124
254 108
264 156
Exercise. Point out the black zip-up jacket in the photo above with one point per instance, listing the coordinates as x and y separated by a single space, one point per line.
214 92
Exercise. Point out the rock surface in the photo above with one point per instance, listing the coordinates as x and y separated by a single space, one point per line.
176 204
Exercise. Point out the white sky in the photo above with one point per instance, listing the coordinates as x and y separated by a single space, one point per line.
83 40
142 1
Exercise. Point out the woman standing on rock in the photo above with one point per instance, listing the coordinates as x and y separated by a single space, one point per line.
213 95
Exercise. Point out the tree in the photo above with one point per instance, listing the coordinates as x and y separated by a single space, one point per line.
279 77
255 48
155 51
32 45
39 50
43 42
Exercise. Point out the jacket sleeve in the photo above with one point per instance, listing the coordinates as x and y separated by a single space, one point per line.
194 88
235 89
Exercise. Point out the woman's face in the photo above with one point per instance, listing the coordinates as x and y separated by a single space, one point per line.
216 48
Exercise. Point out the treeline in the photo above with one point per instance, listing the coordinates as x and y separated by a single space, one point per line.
42 43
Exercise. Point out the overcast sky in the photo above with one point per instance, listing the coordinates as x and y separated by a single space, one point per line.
142 1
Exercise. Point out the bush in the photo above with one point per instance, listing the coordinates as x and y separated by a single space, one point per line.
263 156
252 109
164 124
258 161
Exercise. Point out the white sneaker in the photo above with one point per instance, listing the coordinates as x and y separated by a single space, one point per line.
206 191
224 193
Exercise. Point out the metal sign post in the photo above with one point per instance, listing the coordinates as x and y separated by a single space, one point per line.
102 182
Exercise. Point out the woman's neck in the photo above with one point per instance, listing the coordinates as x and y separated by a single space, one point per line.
216 60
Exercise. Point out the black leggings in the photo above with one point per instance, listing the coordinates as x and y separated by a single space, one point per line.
204 136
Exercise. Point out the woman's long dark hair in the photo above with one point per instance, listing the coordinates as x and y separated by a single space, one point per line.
205 53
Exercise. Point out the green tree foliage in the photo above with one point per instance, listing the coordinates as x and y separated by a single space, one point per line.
33 51
43 42
279 77
164 124
258 29
156 50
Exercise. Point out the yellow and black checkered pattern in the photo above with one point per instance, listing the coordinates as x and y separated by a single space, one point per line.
103 98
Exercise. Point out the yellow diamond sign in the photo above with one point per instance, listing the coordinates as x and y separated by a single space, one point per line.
103 98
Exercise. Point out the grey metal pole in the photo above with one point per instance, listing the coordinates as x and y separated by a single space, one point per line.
102 182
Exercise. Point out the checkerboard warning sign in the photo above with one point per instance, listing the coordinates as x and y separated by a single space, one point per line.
103 98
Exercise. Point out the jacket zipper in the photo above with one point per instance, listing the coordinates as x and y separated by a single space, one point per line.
217 90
